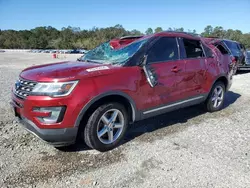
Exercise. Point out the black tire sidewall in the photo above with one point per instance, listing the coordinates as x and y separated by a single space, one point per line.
90 133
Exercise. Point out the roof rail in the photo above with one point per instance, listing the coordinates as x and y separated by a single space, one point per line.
212 37
183 32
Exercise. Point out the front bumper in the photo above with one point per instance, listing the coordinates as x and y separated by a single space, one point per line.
58 134
55 137
25 108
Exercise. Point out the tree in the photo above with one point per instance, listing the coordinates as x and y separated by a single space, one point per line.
149 31
158 29
73 37
178 29
135 32
170 29
218 32
208 30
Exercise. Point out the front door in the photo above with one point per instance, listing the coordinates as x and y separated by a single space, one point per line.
164 58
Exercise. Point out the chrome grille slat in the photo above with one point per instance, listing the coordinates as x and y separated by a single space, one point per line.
24 88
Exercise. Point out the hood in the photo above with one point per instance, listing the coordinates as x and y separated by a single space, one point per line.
65 71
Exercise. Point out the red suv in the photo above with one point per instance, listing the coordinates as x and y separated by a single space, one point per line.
97 97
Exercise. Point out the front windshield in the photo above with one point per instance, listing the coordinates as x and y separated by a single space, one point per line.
105 54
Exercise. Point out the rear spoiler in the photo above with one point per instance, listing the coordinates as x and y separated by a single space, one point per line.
210 40
131 37
123 41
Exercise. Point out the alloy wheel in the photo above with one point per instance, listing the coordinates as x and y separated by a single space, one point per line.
217 97
110 126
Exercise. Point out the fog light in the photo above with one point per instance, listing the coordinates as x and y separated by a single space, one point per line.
56 114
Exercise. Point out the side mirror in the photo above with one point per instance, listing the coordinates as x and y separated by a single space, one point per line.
149 72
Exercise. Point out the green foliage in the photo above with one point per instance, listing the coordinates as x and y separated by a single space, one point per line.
208 31
149 31
66 38
74 37
158 29
231 34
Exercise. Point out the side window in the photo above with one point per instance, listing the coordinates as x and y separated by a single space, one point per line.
165 49
193 48
207 51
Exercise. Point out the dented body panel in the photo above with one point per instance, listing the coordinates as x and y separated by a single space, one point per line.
181 82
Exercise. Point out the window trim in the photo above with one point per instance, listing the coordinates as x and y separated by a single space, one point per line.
183 49
165 61
202 44
178 46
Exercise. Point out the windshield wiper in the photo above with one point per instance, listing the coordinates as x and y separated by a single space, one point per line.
91 61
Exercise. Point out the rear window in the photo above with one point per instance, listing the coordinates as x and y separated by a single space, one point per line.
222 49
242 47
233 46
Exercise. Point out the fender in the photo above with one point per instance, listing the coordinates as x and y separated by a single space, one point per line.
135 113
216 79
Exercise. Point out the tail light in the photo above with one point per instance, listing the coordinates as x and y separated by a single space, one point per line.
233 59
233 64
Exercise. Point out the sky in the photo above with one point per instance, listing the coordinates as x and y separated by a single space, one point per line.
131 14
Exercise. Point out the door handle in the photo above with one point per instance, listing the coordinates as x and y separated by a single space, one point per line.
175 69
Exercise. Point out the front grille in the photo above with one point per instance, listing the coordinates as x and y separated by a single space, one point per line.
23 88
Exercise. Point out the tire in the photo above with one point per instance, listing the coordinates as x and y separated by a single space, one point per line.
96 126
210 102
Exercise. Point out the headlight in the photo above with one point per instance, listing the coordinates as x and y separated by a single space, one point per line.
55 89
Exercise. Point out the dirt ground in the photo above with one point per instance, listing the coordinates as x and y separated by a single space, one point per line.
186 148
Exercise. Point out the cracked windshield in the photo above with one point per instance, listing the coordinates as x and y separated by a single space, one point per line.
105 54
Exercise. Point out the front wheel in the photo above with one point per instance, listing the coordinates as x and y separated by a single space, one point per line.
215 100
106 127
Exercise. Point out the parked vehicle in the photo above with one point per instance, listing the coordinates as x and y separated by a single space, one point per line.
2 51
82 51
74 51
96 98
52 51
46 51
247 64
236 49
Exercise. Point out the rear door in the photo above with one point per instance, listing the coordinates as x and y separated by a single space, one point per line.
195 68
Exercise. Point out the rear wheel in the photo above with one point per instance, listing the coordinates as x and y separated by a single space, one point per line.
215 100
106 127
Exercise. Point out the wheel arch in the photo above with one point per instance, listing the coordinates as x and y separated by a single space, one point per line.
112 96
221 78
224 80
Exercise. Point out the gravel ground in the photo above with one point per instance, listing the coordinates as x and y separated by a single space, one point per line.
186 148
